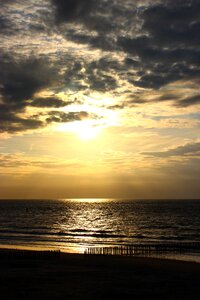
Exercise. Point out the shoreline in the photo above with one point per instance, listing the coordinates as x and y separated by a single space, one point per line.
33 275
28 252
187 257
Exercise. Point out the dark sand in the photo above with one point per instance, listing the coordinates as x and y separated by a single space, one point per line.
73 276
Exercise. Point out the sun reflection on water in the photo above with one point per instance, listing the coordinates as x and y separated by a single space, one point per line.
89 200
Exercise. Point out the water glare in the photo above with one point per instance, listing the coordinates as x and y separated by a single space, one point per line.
75 224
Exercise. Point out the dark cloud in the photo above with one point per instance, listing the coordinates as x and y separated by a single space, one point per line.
193 100
95 41
158 66
12 123
19 81
97 75
192 149
179 23
93 14
161 43
4 25
117 106
19 18
75 75
49 102
62 117
3 2
71 10
177 99
168 97
22 79
99 21
130 62
168 46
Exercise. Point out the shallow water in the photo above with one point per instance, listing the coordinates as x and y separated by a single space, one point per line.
76 224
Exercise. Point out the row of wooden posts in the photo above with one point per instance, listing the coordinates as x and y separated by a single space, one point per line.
145 249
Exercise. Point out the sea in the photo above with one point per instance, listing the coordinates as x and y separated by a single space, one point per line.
74 225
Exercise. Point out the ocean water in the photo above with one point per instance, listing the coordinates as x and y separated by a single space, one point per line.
72 225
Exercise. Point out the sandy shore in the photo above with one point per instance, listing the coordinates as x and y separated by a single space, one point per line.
26 275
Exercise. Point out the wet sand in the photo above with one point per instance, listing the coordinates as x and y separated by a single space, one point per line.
26 275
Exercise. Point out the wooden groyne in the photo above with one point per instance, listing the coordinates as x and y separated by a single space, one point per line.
146 249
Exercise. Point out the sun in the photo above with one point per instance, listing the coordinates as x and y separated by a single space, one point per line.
84 130
87 132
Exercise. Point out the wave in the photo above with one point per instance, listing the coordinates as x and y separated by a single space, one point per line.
82 234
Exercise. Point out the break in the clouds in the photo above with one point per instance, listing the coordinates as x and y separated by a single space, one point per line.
75 48
145 55
125 72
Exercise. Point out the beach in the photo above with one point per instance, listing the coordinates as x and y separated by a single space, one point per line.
57 275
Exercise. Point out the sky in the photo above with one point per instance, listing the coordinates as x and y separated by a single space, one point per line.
100 98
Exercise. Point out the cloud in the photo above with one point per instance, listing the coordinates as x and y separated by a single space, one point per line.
135 54
12 123
191 149
22 163
62 117
167 47
22 79
49 102
19 81
155 56
4 25
96 23
179 23
94 15
71 10
193 100
11 160
97 75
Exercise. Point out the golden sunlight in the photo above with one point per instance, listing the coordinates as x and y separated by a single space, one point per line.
90 200
85 130
90 128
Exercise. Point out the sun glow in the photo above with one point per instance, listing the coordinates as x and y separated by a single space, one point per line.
90 200
89 127
85 130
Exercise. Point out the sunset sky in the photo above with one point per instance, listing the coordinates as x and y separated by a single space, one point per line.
100 98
